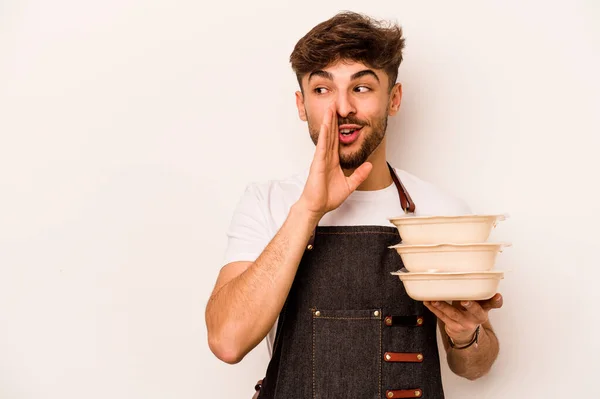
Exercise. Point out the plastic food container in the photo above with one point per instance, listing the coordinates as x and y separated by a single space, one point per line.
451 229
449 257
467 286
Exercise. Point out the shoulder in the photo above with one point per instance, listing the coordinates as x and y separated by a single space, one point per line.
260 211
271 200
431 199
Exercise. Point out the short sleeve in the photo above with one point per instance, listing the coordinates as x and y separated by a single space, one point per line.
248 232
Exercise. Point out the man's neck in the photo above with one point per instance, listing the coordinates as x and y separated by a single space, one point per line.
380 176
378 179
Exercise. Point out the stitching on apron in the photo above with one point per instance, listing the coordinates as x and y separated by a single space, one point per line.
343 318
313 359
358 232
380 349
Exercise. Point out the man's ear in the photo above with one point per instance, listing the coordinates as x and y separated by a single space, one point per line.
300 105
395 99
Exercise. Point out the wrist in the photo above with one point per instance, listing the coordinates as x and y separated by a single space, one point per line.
303 211
463 342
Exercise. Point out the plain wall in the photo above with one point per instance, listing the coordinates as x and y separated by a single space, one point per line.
129 130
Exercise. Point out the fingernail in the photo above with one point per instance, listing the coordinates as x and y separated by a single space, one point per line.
436 303
499 298
466 304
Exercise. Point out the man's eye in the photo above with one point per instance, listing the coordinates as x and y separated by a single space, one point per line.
320 90
362 89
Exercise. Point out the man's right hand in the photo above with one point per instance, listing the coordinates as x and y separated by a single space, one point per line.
327 187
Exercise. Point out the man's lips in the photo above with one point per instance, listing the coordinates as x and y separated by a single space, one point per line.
349 126
349 133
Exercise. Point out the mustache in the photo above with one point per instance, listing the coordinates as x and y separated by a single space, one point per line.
350 120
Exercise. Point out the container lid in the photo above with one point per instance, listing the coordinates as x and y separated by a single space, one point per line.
464 246
412 219
491 274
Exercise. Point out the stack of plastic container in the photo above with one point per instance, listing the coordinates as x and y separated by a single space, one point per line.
448 258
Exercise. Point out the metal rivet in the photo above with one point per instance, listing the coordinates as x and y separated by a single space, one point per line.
417 393
420 357
388 321
388 357
317 313
376 313
390 394
420 321
309 247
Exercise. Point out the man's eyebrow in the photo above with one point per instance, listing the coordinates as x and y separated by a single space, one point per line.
366 72
357 75
320 73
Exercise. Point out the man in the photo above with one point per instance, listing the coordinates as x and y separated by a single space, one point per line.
308 264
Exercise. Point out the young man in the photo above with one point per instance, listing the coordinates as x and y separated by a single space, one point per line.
308 265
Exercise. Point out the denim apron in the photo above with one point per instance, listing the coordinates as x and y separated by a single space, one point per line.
348 329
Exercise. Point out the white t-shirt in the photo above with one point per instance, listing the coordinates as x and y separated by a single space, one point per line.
264 207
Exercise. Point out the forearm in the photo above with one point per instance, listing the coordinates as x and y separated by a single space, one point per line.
241 313
475 361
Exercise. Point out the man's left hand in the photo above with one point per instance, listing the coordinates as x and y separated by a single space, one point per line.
462 317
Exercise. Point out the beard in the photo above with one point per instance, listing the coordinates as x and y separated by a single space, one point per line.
372 132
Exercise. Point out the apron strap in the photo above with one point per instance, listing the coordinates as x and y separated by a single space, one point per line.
406 203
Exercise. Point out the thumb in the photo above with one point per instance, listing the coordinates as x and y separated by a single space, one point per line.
359 175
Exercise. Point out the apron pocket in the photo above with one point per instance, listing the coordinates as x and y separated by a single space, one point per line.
346 358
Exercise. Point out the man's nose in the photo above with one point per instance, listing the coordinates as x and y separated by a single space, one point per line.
345 106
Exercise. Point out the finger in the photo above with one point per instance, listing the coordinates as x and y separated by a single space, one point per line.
450 311
321 151
476 311
332 125
359 175
495 302
462 318
335 132
451 324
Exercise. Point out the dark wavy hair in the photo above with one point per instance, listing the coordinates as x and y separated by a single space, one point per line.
350 36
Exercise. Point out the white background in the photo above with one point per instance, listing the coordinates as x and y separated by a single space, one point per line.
129 129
